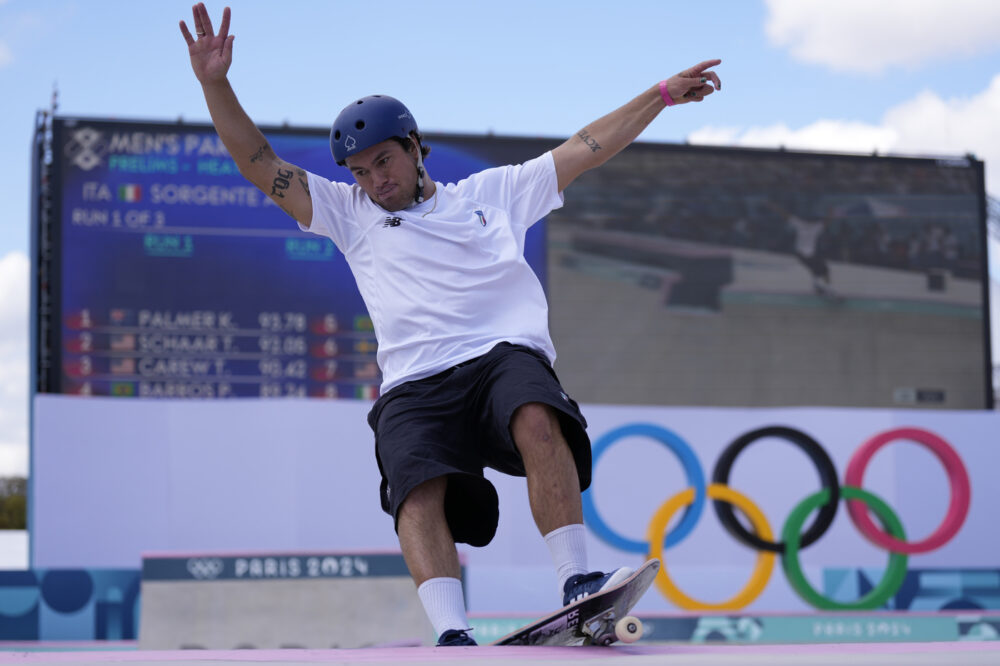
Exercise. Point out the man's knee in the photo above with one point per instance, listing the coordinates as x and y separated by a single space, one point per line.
535 424
427 497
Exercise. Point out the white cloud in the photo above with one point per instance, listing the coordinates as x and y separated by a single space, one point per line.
14 271
6 57
924 125
872 35
833 135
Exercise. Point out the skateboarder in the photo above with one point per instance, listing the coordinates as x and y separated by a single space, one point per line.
808 251
460 317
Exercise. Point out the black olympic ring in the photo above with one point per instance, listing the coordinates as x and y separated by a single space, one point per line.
827 477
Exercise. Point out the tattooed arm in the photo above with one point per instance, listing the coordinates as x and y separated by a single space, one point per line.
211 55
604 138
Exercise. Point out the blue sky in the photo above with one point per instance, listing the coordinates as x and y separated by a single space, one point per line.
913 77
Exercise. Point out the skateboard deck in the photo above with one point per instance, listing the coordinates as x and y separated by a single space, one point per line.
599 619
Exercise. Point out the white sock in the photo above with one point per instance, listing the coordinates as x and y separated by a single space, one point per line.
568 547
444 604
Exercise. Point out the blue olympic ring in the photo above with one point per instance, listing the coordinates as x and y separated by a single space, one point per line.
692 468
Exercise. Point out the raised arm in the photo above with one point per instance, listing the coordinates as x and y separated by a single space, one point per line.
604 138
211 56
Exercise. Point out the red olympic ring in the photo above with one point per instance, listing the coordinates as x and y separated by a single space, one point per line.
958 478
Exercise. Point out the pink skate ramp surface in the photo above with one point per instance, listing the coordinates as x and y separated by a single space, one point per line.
970 653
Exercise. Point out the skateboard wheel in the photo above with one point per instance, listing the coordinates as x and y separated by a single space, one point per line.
628 629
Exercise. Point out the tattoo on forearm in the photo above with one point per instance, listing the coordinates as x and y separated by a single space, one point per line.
259 155
281 183
304 181
589 140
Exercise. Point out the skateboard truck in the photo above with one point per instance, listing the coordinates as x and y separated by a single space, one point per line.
604 628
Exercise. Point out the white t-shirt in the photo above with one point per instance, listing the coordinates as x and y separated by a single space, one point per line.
445 280
806 234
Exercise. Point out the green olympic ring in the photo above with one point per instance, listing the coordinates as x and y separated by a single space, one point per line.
891 581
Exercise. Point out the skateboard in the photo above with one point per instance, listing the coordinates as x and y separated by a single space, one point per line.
600 619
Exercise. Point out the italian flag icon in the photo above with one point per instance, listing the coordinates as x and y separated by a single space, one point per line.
129 193
366 392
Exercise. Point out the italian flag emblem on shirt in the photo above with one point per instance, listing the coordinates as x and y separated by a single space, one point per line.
129 193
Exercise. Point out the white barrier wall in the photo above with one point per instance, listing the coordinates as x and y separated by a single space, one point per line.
113 478
13 549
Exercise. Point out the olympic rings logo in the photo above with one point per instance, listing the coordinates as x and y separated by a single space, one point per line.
892 536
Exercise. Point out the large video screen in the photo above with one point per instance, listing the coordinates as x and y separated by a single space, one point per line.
677 275
683 275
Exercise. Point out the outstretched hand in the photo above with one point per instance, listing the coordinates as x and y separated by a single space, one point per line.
211 54
694 83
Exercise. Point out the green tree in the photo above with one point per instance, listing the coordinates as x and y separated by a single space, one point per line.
13 503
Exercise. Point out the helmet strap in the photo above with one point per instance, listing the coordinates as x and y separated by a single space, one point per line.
418 195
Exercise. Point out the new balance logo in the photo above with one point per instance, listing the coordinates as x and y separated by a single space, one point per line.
392 222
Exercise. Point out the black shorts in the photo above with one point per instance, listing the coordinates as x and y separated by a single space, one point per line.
457 423
816 264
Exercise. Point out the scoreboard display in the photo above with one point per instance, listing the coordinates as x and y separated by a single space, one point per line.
174 277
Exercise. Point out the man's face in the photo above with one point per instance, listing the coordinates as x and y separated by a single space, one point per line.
387 173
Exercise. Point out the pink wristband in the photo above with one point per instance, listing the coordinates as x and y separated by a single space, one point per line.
667 99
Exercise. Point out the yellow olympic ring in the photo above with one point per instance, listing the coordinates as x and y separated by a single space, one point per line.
765 559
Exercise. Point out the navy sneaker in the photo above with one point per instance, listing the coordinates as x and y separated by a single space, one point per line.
455 637
584 585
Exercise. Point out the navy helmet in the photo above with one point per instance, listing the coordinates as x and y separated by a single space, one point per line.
367 122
